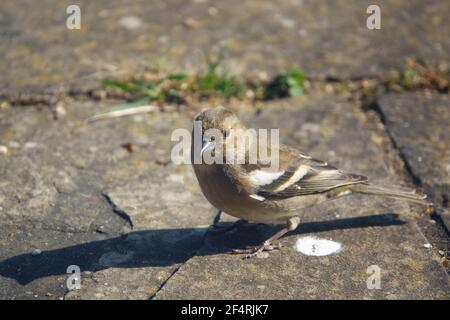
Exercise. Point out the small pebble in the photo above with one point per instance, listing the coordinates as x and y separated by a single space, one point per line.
129 146
366 83
4 150
99 94
14 144
79 163
287 23
30 145
428 245
36 192
60 112
4 105
329 88
441 252
212 11
93 149
130 22
250 94
263 76
162 162
36 252
191 23
163 39
103 13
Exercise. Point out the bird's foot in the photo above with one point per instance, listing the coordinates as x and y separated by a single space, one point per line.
253 251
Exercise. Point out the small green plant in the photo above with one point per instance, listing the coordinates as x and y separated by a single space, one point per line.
175 87
215 83
289 84
421 74
133 86
144 91
408 78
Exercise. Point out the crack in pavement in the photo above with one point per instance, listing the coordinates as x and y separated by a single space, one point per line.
163 284
122 214
152 297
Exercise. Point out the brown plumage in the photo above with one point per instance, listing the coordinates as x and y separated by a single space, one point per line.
264 193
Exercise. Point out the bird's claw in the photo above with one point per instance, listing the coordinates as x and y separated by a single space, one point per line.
253 251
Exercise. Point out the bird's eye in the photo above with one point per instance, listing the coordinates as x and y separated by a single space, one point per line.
212 138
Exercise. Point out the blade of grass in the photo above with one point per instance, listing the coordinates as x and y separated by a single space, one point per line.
134 104
124 86
122 113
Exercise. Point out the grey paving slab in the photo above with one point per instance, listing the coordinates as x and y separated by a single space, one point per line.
419 126
84 215
80 194
326 38
373 231
59 174
132 266
29 271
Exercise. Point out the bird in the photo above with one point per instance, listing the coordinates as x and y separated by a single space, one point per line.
260 192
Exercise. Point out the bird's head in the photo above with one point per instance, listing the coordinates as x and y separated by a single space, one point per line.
217 125
219 118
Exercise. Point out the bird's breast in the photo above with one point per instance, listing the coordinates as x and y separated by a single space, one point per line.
223 194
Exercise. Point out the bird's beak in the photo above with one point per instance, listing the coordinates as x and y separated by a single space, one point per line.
205 145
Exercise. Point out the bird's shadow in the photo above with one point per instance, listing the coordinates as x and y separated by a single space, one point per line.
163 247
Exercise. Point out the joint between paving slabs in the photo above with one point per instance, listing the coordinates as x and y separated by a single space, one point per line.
410 174
396 157
153 296
208 230
52 98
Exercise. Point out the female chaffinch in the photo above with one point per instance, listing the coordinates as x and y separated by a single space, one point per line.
266 193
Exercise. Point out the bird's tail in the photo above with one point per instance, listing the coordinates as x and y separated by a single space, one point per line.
405 194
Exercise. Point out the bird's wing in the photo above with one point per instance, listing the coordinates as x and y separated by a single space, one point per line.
297 174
